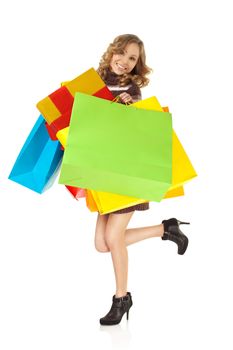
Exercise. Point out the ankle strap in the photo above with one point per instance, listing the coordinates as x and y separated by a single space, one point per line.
125 297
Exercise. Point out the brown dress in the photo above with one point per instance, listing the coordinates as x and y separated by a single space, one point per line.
111 81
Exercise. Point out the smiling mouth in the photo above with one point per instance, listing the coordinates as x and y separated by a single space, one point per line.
121 67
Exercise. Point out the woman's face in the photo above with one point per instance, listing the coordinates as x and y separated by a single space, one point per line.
125 61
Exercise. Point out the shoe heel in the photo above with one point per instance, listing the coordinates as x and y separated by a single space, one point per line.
183 223
127 315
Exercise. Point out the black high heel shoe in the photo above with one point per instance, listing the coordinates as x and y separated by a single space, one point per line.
119 307
173 233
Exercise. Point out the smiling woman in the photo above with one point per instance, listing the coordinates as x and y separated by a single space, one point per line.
125 60
126 57
123 68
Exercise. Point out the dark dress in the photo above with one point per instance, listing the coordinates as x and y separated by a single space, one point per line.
111 81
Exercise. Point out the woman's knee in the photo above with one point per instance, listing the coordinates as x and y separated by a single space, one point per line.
115 229
100 244
101 248
113 239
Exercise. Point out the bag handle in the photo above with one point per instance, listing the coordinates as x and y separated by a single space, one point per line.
116 99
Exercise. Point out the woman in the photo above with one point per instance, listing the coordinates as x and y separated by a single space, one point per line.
123 68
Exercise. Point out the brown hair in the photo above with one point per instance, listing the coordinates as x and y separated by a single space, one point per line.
138 74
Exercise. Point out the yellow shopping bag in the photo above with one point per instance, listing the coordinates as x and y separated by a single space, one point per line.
182 168
109 202
90 202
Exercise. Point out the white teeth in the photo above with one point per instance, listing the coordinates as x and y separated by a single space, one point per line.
120 66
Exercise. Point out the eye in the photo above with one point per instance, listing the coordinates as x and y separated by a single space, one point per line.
133 59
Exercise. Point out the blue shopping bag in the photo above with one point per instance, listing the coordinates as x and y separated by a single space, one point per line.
39 159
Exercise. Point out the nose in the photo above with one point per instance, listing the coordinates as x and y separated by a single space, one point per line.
125 60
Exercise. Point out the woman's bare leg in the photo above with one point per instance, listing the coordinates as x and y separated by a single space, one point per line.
100 243
132 235
115 240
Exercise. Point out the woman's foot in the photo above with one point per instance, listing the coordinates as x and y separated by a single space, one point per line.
173 233
119 307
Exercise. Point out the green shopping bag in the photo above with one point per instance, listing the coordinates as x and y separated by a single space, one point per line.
116 148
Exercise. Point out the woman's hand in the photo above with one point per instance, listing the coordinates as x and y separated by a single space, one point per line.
126 98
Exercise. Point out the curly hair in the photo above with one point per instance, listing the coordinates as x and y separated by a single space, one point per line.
138 74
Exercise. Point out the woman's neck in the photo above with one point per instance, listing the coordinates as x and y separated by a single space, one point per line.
112 77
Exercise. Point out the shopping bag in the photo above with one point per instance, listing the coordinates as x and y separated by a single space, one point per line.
98 201
116 148
76 192
182 168
182 171
56 107
38 161
106 202
90 201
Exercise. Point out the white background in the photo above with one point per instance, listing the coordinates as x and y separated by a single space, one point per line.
54 284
